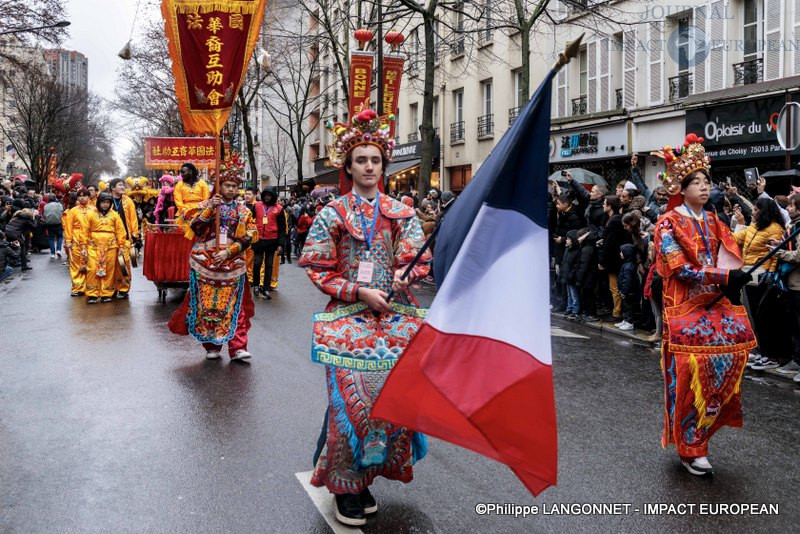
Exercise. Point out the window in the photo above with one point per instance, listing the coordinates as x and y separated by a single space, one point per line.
683 45
413 133
753 28
458 104
518 94
486 90
583 60
436 114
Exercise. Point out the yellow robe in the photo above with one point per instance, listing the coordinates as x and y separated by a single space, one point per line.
186 200
123 283
106 237
76 241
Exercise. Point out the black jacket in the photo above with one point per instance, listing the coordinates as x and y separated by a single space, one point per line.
628 281
587 262
569 265
614 237
20 224
8 255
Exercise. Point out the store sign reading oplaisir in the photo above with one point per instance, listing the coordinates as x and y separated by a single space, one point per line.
752 121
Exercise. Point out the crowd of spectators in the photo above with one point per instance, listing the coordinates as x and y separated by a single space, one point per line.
602 259
22 227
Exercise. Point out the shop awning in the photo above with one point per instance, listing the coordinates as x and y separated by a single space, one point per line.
401 166
330 177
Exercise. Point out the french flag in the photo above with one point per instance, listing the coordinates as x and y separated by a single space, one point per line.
478 373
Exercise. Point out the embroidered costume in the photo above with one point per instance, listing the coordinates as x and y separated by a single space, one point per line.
76 241
704 352
358 346
218 306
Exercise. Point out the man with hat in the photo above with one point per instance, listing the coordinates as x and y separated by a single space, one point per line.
218 306
704 347
356 251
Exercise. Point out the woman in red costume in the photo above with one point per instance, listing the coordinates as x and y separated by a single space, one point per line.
704 350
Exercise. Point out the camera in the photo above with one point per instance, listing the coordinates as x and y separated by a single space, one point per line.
563 173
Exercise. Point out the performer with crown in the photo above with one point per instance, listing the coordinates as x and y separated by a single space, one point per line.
218 307
704 351
355 252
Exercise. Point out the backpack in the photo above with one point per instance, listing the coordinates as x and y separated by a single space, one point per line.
52 213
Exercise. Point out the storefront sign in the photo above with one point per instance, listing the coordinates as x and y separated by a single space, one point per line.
407 151
750 121
595 143
172 152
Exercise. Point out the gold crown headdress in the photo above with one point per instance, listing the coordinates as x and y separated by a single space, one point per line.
682 162
232 169
367 129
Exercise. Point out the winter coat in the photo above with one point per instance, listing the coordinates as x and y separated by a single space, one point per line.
614 237
20 225
569 265
8 255
753 243
569 220
587 262
628 281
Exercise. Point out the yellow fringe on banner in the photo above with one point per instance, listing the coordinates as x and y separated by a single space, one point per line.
224 6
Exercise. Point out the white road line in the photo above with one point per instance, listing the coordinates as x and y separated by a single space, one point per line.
323 500
558 332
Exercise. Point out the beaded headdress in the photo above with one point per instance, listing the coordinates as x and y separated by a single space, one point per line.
682 162
232 169
367 129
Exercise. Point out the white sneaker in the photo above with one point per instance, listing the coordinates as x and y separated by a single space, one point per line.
753 356
699 466
765 364
53 256
241 355
625 326
790 369
212 355
796 378
619 323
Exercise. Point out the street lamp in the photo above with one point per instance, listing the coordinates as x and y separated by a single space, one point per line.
60 24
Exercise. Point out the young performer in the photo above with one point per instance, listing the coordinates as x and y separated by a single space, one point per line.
189 192
107 237
704 351
76 241
218 307
356 250
125 208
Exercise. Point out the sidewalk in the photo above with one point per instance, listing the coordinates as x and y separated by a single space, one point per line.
641 336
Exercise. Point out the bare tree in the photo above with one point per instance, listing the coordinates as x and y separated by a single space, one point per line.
27 14
279 157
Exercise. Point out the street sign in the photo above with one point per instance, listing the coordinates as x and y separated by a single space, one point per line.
789 126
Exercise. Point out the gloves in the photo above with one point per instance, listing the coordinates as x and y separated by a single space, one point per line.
737 279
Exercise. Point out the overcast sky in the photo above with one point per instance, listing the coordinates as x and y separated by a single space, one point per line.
99 30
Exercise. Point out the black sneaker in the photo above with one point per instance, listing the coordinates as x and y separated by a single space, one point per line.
122 295
264 294
92 300
368 502
591 319
349 510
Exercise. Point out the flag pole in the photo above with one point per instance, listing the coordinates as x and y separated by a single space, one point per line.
216 187
570 51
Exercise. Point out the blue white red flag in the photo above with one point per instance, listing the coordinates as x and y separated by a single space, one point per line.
478 373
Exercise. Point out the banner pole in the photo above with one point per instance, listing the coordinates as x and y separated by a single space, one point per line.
216 186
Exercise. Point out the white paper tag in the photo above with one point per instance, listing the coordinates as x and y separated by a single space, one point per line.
223 236
365 271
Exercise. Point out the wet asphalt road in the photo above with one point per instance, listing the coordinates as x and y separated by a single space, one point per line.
109 423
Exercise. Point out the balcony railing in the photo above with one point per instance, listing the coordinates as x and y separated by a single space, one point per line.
486 125
457 48
485 37
620 103
457 132
579 106
413 137
513 113
748 72
680 86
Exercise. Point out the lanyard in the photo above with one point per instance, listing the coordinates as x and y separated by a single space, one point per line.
375 216
705 233
117 203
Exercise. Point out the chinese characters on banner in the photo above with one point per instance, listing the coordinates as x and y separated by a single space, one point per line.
51 170
360 81
210 43
392 73
172 152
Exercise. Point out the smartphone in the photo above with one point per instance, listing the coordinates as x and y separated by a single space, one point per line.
751 176
563 173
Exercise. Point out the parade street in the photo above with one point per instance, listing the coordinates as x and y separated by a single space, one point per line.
109 423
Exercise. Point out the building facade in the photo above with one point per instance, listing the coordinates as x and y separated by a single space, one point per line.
69 68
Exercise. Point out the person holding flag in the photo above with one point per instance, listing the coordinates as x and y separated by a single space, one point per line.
705 340
355 253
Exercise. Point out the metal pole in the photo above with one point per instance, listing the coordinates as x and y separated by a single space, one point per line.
379 75
216 189
789 134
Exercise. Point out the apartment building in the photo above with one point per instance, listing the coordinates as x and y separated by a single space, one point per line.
69 68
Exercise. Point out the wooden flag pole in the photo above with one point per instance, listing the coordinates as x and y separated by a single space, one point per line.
216 187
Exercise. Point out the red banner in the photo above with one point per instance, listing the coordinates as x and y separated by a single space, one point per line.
51 168
210 43
392 73
360 81
172 152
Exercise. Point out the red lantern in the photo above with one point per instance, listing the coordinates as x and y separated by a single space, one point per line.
395 39
363 36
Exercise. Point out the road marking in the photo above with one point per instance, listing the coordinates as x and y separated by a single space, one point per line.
322 499
559 332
